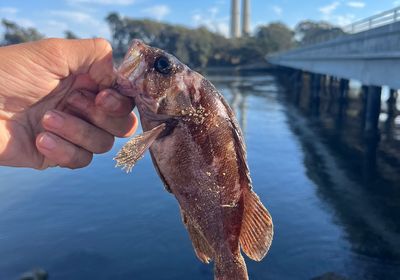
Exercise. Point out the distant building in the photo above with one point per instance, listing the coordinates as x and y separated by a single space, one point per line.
235 19
246 18
238 30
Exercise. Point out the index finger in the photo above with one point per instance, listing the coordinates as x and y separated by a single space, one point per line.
80 56
114 103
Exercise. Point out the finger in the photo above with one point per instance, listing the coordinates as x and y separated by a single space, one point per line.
84 102
61 152
78 131
81 56
113 103
92 56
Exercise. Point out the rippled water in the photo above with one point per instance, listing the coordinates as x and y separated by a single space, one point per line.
100 223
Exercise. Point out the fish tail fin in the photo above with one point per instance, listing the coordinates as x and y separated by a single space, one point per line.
257 227
230 269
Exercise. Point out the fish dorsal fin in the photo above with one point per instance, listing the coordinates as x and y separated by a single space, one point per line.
200 245
134 149
257 228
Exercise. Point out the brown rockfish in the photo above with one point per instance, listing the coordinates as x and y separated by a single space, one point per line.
198 151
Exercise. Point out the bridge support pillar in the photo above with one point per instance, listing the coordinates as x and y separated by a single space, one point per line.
391 113
344 88
298 86
315 85
391 103
373 109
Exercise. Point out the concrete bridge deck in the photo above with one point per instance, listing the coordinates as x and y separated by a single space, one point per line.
371 56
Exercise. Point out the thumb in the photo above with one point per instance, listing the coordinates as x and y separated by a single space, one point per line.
82 56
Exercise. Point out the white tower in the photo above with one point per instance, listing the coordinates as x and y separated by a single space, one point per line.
235 19
246 18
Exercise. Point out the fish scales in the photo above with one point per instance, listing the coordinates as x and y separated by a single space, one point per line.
197 149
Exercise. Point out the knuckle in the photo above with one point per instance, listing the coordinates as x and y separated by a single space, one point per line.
67 159
84 161
54 44
122 133
106 144
53 41
82 134
78 159
102 44
99 119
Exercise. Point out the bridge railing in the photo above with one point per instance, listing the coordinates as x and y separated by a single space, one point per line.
380 19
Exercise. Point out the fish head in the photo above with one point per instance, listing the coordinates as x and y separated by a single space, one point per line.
158 81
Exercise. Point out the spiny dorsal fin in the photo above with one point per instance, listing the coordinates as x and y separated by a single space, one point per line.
257 228
200 245
134 149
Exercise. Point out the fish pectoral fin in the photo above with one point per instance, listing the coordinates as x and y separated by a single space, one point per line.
257 227
134 149
200 244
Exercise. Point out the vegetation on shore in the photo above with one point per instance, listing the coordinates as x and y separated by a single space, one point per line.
197 47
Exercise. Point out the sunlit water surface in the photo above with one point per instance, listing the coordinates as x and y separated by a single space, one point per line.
100 223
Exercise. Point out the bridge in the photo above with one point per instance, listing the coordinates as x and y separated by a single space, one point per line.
369 52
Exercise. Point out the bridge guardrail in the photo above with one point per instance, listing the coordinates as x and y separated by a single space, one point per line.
380 19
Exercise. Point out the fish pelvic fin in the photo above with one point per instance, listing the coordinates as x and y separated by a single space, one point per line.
231 268
200 245
257 228
135 148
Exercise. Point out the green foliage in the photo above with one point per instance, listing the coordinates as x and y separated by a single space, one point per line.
310 32
68 34
15 34
275 37
197 47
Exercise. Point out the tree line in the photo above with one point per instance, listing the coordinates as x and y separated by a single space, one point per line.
197 47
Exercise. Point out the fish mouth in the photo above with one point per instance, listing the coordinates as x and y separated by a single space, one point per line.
130 64
132 60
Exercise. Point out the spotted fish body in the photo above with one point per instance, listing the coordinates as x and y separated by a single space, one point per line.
198 151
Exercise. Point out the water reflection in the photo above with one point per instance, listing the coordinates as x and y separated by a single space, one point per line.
333 194
239 106
357 174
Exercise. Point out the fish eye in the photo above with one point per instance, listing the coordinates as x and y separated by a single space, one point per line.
163 65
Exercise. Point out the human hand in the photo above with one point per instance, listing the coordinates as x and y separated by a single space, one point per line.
56 108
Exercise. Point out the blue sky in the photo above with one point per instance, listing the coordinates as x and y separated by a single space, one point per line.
85 17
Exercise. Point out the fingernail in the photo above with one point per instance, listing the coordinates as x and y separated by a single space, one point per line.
78 100
53 119
109 102
47 142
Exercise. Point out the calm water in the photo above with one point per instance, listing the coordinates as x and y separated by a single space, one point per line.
333 210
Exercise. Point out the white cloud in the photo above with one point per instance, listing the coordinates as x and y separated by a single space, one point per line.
11 13
84 24
328 13
214 11
329 9
8 10
396 3
343 20
158 11
277 10
356 4
103 2
212 20
54 28
79 17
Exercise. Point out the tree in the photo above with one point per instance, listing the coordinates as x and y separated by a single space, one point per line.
118 32
15 34
68 34
199 47
309 32
275 37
